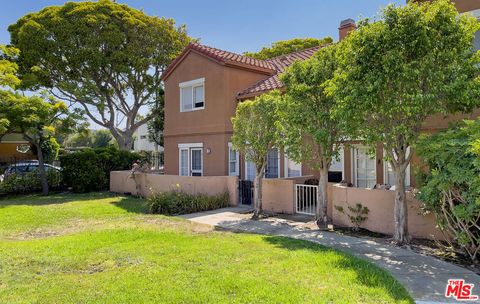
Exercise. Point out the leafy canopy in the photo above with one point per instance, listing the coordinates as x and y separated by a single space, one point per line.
417 61
451 187
255 127
288 46
106 57
311 130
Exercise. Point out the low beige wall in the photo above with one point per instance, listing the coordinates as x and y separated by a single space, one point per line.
278 194
145 184
380 218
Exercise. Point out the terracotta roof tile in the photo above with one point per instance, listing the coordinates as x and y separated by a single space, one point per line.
221 56
280 63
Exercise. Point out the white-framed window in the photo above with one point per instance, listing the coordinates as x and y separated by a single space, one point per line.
233 161
364 169
192 95
336 171
272 169
190 160
292 168
389 174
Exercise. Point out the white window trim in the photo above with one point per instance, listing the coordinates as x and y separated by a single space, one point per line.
201 161
192 83
189 147
385 174
341 155
237 163
354 164
285 166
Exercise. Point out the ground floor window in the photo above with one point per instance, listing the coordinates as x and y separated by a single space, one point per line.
292 168
272 169
335 173
364 171
190 159
233 161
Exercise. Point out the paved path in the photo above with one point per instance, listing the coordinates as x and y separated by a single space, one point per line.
424 277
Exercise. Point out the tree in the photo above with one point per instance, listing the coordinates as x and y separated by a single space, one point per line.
451 186
104 57
288 46
255 132
34 117
312 133
415 62
101 139
155 124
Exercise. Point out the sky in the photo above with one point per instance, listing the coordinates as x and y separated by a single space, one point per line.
233 25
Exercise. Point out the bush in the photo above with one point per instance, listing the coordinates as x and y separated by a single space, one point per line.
450 188
89 169
177 202
357 215
30 182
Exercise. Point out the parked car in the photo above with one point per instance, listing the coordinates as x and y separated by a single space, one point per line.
25 167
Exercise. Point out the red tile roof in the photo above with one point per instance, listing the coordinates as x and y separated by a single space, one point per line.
280 63
222 56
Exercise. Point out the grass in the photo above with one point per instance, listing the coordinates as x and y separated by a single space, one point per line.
99 248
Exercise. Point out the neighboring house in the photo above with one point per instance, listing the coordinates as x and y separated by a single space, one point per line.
142 143
202 88
14 147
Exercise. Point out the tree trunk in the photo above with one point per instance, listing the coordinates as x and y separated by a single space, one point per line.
41 170
257 195
322 199
400 210
124 141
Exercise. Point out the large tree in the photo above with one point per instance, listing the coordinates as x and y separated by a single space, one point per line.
283 47
105 57
312 132
416 61
255 132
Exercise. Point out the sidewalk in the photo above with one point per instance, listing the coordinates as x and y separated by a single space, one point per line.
424 277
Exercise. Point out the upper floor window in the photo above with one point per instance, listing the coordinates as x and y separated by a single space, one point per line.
192 95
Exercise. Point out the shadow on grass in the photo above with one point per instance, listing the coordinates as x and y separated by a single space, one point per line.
55 198
367 273
133 205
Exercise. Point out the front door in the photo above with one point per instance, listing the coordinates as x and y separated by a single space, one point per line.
196 162
272 169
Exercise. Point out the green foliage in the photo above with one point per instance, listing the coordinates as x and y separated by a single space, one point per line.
155 124
416 61
50 148
357 214
288 46
101 139
311 131
89 169
178 202
255 127
451 186
104 56
29 182
89 138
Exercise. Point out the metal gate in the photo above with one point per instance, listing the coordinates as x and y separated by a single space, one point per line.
245 192
306 199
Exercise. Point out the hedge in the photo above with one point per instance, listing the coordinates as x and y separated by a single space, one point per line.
89 169
177 202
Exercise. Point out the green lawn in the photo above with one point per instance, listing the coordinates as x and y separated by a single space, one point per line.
98 248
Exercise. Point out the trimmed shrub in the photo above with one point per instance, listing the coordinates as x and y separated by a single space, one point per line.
89 169
30 182
177 202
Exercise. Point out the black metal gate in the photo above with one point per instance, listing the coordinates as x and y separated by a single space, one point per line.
245 191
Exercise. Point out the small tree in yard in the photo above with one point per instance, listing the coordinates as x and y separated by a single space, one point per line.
451 187
155 124
417 61
104 57
34 117
312 132
255 133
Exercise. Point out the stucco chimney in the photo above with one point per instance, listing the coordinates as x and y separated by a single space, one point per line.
346 26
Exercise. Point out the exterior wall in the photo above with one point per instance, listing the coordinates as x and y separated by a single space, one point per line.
211 125
380 218
143 144
278 194
8 151
145 184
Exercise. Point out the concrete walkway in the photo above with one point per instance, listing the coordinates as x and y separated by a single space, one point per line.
424 277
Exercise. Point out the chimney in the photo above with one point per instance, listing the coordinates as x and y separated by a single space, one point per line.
346 26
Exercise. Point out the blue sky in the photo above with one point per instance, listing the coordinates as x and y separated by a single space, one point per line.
238 26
